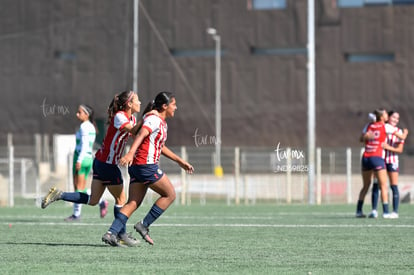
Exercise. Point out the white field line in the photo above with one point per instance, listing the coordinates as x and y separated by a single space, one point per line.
225 225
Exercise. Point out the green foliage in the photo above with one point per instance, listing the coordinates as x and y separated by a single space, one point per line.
210 239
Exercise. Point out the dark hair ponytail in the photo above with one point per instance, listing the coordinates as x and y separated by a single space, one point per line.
161 99
118 103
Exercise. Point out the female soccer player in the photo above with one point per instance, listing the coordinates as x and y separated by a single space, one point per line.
144 172
373 162
106 173
395 147
82 157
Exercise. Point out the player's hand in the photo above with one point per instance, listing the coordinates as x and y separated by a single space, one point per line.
187 167
126 160
78 166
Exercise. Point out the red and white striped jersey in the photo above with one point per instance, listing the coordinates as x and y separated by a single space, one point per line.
394 141
115 139
149 151
373 147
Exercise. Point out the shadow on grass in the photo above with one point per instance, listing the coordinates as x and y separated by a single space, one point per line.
56 244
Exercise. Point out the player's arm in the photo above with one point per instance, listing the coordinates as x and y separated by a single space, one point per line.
127 159
172 156
398 149
367 136
402 135
134 130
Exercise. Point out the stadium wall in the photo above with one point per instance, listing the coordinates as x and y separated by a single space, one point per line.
57 54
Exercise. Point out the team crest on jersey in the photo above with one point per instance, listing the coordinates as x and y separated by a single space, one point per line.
159 171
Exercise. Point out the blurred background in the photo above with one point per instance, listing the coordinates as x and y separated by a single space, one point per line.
57 54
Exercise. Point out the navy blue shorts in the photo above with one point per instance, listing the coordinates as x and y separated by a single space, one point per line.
145 173
373 163
109 174
393 167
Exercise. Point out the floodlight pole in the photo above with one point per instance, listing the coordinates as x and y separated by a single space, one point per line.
135 57
218 170
311 101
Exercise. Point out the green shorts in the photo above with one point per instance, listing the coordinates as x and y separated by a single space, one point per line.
86 166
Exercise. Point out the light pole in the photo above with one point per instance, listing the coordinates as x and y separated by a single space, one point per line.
218 169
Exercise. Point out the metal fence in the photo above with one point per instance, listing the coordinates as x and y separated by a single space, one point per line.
251 175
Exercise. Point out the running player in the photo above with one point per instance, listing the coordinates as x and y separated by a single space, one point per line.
144 172
106 173
395 147
373 161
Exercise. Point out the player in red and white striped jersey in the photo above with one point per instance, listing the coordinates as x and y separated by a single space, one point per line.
144 172
395 146
106 173
373 163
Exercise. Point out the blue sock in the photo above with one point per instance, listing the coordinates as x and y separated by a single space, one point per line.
152 215
359 206
118 224
395 198
76 197
385 208
117 210
375 195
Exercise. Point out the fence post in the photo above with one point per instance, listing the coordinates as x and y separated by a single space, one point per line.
237 174
11 175
23 176
318 176
349 175
288 175
183 178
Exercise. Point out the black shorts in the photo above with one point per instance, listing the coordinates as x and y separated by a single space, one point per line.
109 174
145 173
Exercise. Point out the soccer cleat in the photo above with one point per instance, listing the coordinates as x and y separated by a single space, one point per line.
53 195
112 240
103 208
144 232
128 240
373 214
393 215
360 215
72 218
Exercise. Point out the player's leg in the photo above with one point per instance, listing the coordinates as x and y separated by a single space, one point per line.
393 176
374 198
382 181
167 196
366 182
116 232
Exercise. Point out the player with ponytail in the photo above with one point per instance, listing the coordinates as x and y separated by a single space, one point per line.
106 173
144 171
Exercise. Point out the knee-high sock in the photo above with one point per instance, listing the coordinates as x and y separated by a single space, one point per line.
118 224
359 206
152 215
117 209
395 198
76 197
77 208
375 195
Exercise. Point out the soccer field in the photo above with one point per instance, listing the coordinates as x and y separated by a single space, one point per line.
210 239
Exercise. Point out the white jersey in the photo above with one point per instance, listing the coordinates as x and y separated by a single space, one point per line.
85 138
394 141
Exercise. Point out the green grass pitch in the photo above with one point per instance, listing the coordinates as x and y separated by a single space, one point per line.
210 239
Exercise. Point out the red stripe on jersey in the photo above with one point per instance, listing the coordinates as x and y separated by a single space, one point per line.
115 139
149 151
